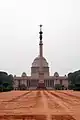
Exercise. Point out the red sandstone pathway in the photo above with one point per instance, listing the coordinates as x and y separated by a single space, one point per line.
40 105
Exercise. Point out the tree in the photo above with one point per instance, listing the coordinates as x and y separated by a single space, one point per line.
74 80
77 83
6 81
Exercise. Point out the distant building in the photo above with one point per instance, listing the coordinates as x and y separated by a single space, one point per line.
40 73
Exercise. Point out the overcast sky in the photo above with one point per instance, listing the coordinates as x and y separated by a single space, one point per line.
19 38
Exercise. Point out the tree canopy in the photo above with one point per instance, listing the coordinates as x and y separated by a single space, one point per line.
6 81
74 80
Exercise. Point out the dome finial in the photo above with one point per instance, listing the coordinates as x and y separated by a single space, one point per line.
40 32
40 27
40 43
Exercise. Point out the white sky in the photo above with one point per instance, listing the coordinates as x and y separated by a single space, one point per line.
19 38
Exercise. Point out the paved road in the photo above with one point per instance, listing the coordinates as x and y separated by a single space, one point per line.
40 105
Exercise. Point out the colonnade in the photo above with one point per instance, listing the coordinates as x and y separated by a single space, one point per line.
32 83
49 83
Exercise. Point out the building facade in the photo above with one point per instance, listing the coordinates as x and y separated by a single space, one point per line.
39 74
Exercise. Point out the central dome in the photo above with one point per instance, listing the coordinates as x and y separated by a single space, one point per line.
36 62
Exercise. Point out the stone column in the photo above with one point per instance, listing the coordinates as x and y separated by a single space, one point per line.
48 83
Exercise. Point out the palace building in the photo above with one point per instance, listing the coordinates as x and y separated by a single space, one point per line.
40 77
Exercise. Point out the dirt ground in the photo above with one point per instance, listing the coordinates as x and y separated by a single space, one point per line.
40 105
